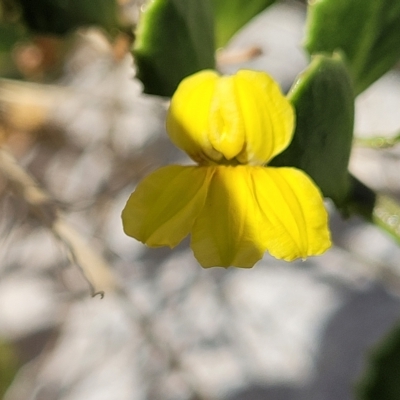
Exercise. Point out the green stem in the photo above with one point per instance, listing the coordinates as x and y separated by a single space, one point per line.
378 142
377 208
386 215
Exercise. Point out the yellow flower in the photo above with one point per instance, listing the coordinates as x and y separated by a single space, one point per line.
233 206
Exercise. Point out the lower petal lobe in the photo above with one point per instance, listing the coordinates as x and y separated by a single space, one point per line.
249 210
295 222
162 209
226 232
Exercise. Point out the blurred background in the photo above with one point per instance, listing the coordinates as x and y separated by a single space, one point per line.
77 134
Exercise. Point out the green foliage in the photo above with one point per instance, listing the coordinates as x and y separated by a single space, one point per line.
231 15
324 103
10 30
175 38
9 35
8 366
366 31
60 16
381 380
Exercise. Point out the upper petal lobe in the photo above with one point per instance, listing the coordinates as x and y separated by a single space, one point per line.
267 115
188 116
220 118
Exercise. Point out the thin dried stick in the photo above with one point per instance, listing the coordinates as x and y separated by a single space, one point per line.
95 269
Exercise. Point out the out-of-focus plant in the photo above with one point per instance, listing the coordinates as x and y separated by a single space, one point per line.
58 17
8 365
33 34
381 379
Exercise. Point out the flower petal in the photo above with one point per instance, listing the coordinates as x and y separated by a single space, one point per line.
163 208
188 115
244 117
253 209
226 232
226 131
295 222
267 115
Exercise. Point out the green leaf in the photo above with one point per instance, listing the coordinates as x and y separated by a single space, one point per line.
381 379
324 103
60 16
231 15
175 38
366 31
